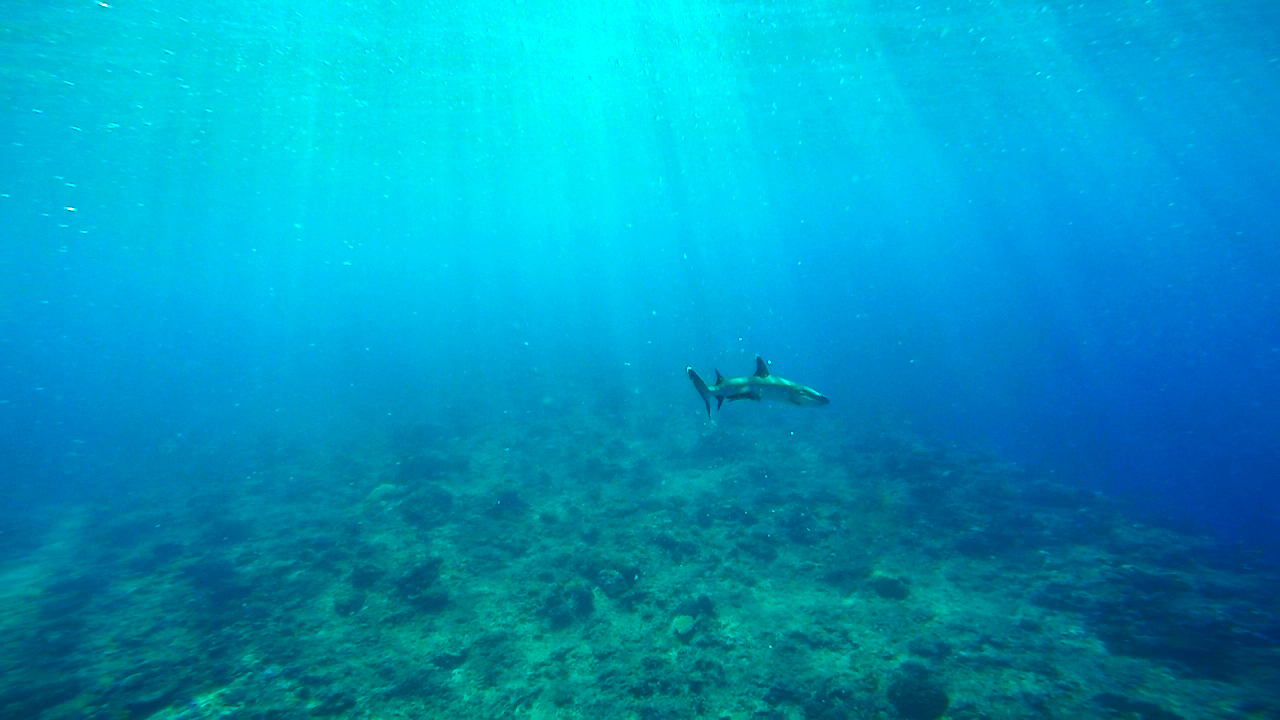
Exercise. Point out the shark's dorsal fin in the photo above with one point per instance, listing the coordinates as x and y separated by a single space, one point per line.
762 370
719 377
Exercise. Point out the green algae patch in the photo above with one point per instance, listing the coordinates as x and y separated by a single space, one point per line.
683 627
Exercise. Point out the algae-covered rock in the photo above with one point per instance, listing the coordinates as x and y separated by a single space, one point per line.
614 583
683 626
382 493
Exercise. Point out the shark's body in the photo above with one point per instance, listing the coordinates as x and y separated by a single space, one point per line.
761 386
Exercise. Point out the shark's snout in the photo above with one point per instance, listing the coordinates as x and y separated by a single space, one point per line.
812 399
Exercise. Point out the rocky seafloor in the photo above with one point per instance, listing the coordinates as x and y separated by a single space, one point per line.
570 567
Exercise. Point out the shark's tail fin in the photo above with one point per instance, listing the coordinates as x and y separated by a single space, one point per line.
701 387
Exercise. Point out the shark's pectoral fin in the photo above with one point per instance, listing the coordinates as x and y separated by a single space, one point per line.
762 370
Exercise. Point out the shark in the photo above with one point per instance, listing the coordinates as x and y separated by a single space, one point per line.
760 386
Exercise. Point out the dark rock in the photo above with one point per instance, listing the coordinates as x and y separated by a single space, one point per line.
334 702
431 601
152 699
1128 707
916 695
315 679
1149 582
644 473
653 681
168 551
326 553
30 699
159 556
421 466
783 693
150 687
614 583
226 531
447 660
677 548
760 545
836 703
1053 495
595 469
1062 597
420 576
1029 625
124 531
660 711
56 637
349 604
1043 666
210 572
705 672
427 507
219 579
364 575
418 587
718 445
739 516
566 603
417 683
846 577
67 597
507 503
700 606
932 648
704 517
968 711
800 527
1198 640
890 588
985 543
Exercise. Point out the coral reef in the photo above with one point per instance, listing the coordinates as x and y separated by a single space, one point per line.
573 567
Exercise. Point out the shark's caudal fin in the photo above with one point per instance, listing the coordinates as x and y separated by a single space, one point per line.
701 387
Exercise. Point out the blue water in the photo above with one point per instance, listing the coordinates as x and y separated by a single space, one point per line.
1047 230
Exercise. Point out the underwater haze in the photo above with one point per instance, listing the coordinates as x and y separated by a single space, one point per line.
1047 229
278 253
